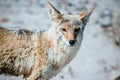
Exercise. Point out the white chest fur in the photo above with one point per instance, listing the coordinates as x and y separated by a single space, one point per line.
59 57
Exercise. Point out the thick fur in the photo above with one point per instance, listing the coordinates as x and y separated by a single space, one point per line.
39 55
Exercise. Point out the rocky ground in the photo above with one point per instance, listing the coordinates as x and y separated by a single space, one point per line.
98 57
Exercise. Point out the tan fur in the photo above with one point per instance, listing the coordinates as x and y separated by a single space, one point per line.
39 55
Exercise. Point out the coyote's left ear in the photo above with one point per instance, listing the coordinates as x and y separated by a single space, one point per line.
85 16
54 14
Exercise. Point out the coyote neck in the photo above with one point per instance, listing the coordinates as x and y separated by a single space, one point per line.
50 37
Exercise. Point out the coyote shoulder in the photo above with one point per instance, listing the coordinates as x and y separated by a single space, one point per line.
42 55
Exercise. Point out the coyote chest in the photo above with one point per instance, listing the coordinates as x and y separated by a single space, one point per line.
59 59
58 56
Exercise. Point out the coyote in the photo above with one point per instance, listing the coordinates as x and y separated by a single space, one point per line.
42 55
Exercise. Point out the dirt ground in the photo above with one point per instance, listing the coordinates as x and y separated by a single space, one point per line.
98 57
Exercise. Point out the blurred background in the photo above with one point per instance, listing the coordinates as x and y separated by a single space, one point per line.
99 55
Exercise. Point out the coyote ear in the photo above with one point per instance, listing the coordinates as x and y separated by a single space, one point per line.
54 13
85 16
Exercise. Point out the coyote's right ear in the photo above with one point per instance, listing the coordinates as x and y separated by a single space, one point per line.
54 13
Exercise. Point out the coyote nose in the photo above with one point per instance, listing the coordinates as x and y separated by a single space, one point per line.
72 42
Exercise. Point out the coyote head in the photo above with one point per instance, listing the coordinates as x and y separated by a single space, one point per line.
69 27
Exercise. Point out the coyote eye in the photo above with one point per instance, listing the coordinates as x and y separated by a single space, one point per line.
63 29
77 30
